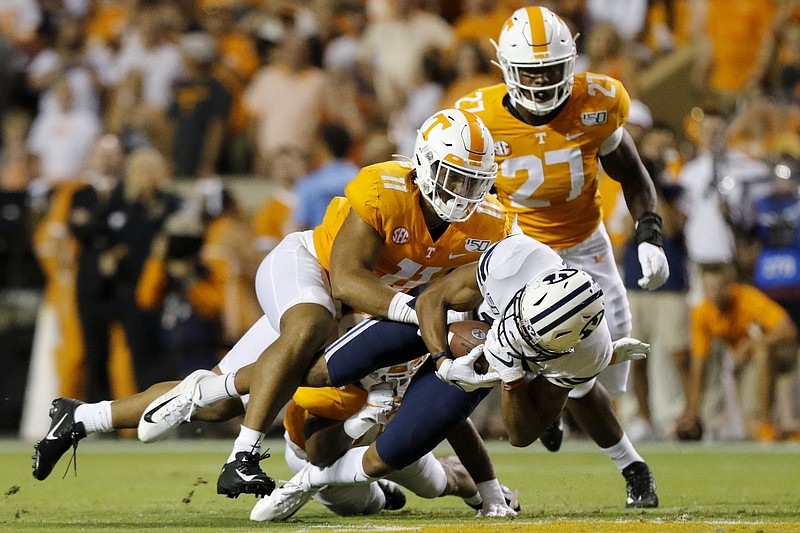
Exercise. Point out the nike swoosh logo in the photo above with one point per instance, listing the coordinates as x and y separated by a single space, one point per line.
148 416
508 363
246 477
51 435
574 135
453 256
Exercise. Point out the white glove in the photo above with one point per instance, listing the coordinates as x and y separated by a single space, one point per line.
507 368
457 316
628 349
378 409
495 510
461 373
655 269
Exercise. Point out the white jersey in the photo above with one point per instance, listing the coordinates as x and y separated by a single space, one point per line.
502 271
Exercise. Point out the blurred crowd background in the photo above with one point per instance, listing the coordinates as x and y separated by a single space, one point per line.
152 152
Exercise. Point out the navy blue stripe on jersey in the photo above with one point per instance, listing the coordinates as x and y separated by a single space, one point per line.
483 265
430 410
572 312
352 332
572 382
372 345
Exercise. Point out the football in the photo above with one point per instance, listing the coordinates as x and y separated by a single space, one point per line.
464 336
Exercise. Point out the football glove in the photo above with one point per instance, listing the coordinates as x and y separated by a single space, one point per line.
501 362
655 269
461 373
628 349
496 510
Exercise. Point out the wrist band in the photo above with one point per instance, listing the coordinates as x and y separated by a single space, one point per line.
648 229
441 355
517 383
400 310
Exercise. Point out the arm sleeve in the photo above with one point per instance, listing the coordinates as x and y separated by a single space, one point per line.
766 311
364 198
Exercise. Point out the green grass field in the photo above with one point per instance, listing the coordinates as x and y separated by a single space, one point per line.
124 485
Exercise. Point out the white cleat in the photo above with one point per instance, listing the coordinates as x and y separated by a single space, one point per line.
171 408
287 500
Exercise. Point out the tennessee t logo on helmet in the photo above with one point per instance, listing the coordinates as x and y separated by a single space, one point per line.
536 52
454 163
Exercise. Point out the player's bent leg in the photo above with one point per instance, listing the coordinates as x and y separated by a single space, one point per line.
64 433
174 407
73 420
349 500
305 329
489 498
203 389
371 345
326 440
431 409
595 415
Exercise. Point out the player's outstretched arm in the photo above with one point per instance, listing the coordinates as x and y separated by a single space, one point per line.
457 291
354 256
624 165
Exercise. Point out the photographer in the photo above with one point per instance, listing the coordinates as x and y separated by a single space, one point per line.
115 221
188 294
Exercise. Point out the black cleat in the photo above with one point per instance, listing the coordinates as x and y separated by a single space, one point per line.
243 475
551 437
395 497
64 433
641 487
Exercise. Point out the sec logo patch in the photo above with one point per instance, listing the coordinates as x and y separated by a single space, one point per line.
502 148
400 236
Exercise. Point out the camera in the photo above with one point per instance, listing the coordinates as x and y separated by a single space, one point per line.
183 246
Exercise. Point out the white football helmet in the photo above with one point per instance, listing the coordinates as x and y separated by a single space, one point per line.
551 314
454 163
537 54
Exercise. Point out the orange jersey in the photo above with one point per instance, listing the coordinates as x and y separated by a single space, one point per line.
385 196
548 174
326 402
750 306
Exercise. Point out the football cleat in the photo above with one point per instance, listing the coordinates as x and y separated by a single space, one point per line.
395 497
287 500
641 487
172 408
243 475
552 437
64 433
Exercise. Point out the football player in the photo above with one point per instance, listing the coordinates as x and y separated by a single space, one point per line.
401 225
552 128
548 336
316 433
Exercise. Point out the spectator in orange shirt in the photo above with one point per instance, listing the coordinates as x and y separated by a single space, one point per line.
273 219
733 35
187 294
481 21
751 327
